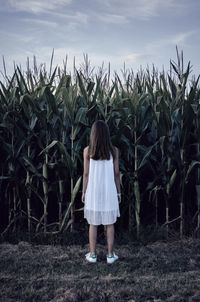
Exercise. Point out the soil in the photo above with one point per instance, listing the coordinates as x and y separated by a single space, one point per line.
156 272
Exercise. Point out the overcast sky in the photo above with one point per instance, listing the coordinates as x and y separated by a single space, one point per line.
137 32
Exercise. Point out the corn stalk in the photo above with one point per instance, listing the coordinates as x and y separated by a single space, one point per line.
72 178
28 183
136 183
45 191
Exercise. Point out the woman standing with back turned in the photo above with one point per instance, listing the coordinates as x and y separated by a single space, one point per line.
101 188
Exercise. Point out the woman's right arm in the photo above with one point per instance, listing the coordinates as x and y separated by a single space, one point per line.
117 173
85 172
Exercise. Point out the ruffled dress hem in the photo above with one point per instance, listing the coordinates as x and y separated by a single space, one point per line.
101 217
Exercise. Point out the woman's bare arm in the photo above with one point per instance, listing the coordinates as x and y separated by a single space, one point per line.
117 172
85 172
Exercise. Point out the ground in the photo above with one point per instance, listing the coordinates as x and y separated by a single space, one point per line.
161 271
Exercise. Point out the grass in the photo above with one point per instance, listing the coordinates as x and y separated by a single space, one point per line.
154 272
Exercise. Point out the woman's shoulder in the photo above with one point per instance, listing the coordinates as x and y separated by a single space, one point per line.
86 151
116 150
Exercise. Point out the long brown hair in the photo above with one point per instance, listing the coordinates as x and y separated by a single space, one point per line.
100 146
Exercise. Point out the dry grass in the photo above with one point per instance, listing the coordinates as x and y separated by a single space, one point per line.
155 272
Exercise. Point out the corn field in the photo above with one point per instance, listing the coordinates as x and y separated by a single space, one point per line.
45 120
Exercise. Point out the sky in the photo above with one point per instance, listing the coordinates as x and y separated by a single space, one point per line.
131 32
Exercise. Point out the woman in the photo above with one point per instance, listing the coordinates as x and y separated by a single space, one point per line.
101 188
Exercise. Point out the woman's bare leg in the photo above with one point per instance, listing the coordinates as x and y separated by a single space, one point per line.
110 230
92 238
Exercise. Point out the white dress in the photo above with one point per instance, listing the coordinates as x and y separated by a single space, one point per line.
101 201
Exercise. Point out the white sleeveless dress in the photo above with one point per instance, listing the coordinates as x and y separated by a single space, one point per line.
101 201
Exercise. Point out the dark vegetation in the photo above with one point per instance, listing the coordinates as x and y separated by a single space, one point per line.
45 120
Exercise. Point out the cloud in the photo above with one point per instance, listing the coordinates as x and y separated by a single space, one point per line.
163 48
151 8
37 6
71 22
141 9
112 18
40 22
132 57
18 38
109 11
76 16
180 38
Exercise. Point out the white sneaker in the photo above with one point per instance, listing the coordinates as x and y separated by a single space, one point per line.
112 259
92 258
